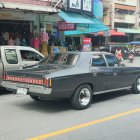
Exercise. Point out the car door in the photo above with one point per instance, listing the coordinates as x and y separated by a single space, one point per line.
29 57
119 75
10 58
102 75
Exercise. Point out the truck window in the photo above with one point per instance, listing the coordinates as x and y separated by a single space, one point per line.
11 56
30 56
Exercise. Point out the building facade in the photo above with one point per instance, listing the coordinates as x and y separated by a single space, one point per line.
123 16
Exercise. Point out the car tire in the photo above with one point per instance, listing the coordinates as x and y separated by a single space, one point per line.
82 97
35 98
136 86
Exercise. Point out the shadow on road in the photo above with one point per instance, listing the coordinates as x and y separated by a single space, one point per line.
4 92
54 106
109 96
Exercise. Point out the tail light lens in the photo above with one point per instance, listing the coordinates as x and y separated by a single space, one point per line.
48 82
4 76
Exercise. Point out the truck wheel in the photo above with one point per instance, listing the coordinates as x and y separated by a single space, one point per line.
136 86
82 97
35 98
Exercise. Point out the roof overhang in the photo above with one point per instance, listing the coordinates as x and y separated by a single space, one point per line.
85 24
76 18
37 8
112 33
130 31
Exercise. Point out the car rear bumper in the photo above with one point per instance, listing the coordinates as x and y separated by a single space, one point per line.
13 86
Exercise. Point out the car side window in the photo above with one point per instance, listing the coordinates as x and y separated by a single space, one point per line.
98 61
11 56
111 60
30 56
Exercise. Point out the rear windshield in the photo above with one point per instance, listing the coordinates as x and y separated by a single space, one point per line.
61 59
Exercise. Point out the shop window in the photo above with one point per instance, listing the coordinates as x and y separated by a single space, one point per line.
98 61
11 56
30 56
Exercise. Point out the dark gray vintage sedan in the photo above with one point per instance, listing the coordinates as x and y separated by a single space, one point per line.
73 75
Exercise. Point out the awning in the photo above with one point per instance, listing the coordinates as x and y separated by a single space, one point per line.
93 29
30 7
112 33
131 31
134 43
84 23
76 18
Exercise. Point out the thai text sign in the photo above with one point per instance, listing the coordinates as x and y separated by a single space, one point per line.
64 26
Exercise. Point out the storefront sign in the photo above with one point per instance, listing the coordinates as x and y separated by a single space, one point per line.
86 44
16 16
64 26
81 6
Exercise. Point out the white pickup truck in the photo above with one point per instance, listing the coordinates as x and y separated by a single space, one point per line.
16 57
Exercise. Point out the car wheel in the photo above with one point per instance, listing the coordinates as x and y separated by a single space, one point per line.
35 98
136 86
82 97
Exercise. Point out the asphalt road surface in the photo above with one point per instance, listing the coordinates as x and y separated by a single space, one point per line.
111 116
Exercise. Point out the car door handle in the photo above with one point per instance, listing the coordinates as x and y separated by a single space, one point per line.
94 74
115 74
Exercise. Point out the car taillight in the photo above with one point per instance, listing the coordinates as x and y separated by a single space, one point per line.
4 76
48 82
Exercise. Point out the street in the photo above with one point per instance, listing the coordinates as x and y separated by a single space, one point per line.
111 116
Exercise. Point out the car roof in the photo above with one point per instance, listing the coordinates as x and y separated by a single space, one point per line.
21 48
80 52
10 46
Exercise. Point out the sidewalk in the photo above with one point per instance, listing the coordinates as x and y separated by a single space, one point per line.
135 63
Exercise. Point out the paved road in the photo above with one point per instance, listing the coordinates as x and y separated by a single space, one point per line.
21 118
136 62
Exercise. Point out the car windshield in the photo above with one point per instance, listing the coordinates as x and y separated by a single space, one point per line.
61 59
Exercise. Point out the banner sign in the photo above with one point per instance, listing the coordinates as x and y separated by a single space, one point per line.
81 6
87 44
64 26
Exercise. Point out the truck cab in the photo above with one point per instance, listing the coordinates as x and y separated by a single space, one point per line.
17 57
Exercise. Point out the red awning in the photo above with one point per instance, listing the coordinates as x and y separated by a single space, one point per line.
112 33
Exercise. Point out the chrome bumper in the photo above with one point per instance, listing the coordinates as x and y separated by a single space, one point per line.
31 88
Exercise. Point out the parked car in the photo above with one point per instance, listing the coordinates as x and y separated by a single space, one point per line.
73 75
112 49
17 57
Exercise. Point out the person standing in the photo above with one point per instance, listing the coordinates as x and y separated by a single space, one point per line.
11 42
17 41
23 42
36 43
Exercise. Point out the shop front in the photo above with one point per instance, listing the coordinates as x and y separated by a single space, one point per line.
84 26
15 25
87 16
20 21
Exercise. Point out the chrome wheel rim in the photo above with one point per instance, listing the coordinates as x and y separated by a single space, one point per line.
138 84
84 96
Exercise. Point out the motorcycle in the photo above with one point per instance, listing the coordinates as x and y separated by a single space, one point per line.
131 57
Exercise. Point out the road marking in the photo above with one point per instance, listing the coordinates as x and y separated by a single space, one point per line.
76 127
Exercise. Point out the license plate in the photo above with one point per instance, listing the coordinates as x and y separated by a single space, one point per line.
22 91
